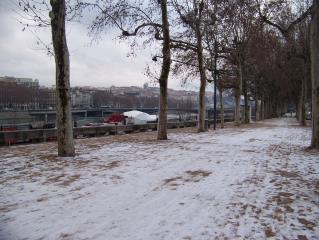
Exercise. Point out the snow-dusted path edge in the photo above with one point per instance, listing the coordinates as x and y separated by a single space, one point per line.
238 183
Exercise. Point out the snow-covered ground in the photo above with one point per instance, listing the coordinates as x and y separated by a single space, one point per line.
253 182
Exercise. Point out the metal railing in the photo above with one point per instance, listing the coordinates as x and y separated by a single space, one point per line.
8 138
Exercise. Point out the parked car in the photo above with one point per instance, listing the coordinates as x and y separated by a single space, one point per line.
308 115
115 118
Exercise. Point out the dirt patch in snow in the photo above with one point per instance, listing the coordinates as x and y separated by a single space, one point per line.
8 207
65 236
62 180
317 187
308 224
188 176
172 181
302 237
112 165
283 198
48 157
142 137
198 173
286 174
44 150
109 166
269 232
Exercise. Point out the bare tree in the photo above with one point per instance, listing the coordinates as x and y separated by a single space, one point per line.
314 49
242 17
193 16
136 18
35 12
162 121
313 10
62 62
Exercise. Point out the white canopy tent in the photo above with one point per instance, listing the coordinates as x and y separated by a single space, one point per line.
140 117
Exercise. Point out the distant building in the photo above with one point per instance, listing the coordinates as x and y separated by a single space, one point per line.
47 98
81 98
27 82
132 93
26 94
102 98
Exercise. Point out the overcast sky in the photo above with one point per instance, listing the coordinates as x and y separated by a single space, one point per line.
100 64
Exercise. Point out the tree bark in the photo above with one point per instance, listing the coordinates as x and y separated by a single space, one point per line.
256 103
203 78
257 110
304 89
237 106
221 100
302 98
202 107
262 108
162 116
238 95
268 107
297 109
62 63
246 108
314 49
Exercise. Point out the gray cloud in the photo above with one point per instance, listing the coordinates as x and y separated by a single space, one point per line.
99 64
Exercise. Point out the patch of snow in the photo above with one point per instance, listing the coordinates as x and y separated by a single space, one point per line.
235 183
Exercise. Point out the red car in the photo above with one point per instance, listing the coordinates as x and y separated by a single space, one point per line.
115 119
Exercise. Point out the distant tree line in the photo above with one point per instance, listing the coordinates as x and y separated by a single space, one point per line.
14 96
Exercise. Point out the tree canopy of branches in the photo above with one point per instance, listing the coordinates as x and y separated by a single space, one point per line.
265 51
136 18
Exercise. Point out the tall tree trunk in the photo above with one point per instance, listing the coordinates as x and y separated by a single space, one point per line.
266 107
203 78
202 107
314 49
256 103
237 106
238 95
162 116
246 109
297 110
269 107
262 108
302 100
257 109
62 63
221 100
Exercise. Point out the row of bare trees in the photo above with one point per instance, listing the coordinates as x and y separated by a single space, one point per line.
18 97
266 51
